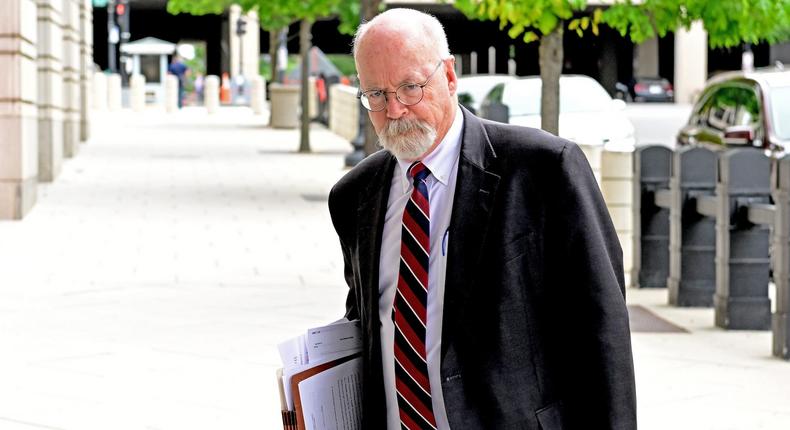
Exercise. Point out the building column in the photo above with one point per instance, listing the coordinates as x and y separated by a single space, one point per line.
71 76
50 89
86 66
18 111
646 58
780 52
250 43
691 62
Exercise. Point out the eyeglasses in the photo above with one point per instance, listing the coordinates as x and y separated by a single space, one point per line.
408 94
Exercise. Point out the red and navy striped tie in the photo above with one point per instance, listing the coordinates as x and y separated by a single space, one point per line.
409 310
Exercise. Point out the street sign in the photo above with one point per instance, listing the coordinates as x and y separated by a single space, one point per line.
114 36
100 3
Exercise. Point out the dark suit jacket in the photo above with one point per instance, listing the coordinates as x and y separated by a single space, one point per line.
535 329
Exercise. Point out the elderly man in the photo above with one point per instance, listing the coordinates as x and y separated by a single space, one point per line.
480 257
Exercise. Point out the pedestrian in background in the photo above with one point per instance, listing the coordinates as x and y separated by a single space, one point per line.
181 71
481 258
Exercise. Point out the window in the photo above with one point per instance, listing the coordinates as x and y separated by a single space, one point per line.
149 67
729 105
495 96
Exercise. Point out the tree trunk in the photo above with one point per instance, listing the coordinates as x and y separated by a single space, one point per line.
273 42
550 70
305 41
370 8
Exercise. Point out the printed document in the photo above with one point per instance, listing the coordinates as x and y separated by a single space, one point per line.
332 399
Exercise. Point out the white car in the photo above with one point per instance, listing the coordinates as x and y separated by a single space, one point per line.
588 115
472 88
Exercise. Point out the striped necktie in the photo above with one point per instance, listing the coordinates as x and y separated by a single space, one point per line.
409 310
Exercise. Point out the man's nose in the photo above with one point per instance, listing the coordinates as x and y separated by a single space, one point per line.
395 109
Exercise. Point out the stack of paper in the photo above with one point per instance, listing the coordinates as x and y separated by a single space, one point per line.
320 382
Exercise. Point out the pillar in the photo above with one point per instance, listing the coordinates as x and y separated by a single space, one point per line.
491 60
594 154
86 66
50 89
137 92
691 62
171 93
99 91
244 54
257 94
211 93
18 110
617 177
646 58
114 92
71 70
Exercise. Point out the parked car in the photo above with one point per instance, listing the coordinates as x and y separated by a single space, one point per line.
646 89
742 109
472 89
588 115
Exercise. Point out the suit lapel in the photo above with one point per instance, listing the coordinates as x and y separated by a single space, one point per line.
474 195
371 213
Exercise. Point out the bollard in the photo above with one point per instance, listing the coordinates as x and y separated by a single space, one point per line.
211 93
99 98
257 94
171 93
652 165
137 92
114 92
692 236
742 262
781 259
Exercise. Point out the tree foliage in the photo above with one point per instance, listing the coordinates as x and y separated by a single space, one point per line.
527 19
277 14
728 23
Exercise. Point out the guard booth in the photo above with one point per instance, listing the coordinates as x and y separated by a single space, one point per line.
149 58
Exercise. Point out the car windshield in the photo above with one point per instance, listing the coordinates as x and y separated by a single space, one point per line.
780 105
577 94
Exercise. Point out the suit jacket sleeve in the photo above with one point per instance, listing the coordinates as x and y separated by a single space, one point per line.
342 223
595 263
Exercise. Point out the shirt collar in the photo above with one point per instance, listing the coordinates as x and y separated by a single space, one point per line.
440 162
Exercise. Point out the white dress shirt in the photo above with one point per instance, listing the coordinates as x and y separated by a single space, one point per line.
443 164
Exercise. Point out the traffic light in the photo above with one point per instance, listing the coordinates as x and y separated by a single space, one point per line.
241 27
122 18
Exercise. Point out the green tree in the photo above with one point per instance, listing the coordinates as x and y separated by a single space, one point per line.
276 15
728 23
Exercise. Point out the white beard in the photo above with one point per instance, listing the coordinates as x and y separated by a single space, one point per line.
407 139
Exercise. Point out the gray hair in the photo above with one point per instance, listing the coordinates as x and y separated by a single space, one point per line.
427 23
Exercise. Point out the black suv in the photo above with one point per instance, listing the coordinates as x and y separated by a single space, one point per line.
742 109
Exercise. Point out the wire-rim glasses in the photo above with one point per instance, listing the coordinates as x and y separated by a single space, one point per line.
408 94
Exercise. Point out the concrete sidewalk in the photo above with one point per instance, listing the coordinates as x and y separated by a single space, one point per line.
150 285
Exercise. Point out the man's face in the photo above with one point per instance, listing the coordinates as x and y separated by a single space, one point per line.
409 132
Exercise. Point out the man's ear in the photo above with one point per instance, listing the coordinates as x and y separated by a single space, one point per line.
452 79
